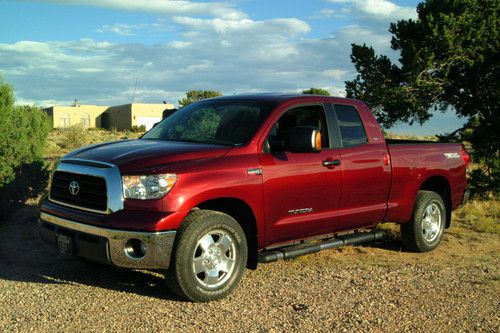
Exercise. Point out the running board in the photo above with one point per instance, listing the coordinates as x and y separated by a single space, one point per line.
300 250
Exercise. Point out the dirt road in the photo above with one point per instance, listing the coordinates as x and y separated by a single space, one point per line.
378 288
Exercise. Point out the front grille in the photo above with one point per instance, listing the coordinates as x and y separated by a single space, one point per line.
92 191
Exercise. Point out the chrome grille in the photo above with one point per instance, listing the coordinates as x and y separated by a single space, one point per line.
91 194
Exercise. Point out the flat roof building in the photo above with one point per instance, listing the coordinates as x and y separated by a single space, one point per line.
120 117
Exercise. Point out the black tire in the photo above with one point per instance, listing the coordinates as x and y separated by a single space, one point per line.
418 234
191 251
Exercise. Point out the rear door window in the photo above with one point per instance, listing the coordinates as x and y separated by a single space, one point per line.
351 127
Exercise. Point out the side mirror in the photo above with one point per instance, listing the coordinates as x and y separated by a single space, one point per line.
300 139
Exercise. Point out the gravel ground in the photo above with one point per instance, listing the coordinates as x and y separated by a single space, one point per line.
374 289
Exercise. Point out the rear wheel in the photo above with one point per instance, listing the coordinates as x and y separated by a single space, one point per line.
425 229
209 258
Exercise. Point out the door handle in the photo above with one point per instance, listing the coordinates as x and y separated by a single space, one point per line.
330 163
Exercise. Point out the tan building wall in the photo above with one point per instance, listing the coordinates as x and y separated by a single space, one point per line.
87 115
148 114
120 117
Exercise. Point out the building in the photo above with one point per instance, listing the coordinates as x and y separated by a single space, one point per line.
125 116
87 115
120 117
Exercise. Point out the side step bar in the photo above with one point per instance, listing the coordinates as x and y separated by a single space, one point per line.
300 250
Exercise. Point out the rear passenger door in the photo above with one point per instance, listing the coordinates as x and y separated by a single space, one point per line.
365 178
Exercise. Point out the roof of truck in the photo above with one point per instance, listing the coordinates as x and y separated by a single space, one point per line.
274 97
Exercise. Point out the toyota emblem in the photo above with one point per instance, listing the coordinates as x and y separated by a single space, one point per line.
74 187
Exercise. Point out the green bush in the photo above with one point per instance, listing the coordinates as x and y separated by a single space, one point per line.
23 134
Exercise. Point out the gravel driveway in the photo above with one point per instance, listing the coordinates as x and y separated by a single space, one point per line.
379 288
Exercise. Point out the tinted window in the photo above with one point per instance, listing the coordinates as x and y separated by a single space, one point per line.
222 122
352 131
311 115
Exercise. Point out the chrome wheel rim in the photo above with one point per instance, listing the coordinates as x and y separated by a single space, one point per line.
431 222
214 259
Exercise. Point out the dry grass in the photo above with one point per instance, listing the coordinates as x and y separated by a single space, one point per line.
480 216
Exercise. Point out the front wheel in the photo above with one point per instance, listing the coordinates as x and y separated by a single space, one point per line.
210 257
425 229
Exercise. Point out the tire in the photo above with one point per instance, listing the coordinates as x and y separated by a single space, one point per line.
425 229
210 255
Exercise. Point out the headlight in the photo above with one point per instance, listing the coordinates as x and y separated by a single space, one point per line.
147 186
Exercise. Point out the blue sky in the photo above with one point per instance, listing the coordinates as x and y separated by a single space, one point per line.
53 51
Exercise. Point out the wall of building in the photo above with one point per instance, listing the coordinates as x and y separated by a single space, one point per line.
87 115
120 117
148 114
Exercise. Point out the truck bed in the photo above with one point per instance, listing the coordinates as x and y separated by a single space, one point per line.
412 162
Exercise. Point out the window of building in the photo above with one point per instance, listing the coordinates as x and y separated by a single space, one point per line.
64 120
85 120
352 131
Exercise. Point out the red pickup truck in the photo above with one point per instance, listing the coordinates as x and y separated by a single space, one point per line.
225 183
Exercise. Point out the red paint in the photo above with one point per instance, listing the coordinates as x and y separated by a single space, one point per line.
374 181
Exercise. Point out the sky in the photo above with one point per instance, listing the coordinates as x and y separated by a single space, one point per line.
110 52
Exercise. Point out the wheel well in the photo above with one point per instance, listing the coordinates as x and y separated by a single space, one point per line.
441 186
243 214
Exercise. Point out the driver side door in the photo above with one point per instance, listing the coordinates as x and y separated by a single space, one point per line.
301 191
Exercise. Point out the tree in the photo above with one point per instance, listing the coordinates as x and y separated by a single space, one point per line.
198 95
316 91
449 60
23 133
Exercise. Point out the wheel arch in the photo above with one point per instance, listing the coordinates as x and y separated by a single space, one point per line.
441 186
243 214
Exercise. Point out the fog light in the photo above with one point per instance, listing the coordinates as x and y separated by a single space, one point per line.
135 249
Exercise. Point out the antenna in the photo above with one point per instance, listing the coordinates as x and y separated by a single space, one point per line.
135 87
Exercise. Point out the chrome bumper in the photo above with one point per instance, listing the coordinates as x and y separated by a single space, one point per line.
159 244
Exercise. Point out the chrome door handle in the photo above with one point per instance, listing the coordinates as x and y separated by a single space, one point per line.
329 163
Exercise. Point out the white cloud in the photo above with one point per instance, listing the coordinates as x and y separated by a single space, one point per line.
279 26
385 8
232 55
119 29
324 13
379 9
162 7
132 29
226 55
335 74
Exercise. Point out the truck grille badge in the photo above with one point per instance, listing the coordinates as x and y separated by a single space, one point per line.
74 187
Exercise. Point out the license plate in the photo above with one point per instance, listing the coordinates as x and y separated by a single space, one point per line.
64 244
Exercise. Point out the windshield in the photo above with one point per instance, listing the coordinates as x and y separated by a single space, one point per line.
223 122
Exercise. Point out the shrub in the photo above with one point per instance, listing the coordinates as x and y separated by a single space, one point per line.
23 133
74 137
138 129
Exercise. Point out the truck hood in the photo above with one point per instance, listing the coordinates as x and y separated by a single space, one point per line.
135 155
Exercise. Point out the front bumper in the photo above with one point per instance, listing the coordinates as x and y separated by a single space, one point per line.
108 245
